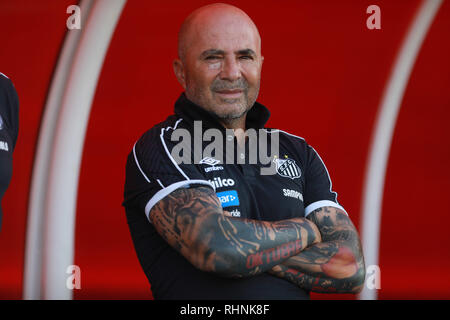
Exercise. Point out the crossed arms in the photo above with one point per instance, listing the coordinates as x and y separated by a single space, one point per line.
321 253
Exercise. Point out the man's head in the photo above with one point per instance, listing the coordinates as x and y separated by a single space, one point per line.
220 61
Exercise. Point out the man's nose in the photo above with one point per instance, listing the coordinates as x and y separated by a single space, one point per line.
230 69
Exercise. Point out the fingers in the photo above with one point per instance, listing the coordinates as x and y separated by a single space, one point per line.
228 214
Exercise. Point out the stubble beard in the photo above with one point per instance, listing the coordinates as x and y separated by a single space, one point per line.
240 105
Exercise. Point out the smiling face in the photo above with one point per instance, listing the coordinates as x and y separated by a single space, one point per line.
220 62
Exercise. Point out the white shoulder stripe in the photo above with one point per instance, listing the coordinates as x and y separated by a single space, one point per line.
137 163
289 134
167 151
4 75
322 203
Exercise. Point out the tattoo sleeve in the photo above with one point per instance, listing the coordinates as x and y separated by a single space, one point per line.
193 223
336 265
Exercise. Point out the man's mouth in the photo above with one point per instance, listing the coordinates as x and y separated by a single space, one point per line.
230 93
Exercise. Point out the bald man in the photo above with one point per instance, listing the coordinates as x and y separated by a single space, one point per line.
214 230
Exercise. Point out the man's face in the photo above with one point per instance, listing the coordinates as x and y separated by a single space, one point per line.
222 67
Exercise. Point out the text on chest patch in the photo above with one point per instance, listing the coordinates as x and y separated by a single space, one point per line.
293 194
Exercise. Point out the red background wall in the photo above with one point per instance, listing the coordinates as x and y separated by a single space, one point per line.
323 78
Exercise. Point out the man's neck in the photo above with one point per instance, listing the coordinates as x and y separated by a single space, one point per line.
238 126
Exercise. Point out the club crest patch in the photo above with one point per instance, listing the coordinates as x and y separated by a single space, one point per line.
287 168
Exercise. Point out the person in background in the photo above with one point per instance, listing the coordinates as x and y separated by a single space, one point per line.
9 129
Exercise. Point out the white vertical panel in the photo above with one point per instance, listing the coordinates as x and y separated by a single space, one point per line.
35 218
384 130
58 221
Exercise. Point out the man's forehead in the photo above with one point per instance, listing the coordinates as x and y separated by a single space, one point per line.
220 27
230 38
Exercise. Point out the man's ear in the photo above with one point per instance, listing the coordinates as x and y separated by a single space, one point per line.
178 68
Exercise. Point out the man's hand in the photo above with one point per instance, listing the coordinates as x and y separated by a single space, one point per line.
336 265
192 222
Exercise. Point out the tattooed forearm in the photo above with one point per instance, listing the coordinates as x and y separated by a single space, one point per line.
192 222
334 265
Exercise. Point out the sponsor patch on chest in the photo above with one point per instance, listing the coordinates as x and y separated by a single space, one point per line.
228 198
4 145
293 194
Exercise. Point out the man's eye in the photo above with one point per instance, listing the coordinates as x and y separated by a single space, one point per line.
212 58
246 57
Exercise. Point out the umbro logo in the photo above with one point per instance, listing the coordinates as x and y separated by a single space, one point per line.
212 162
